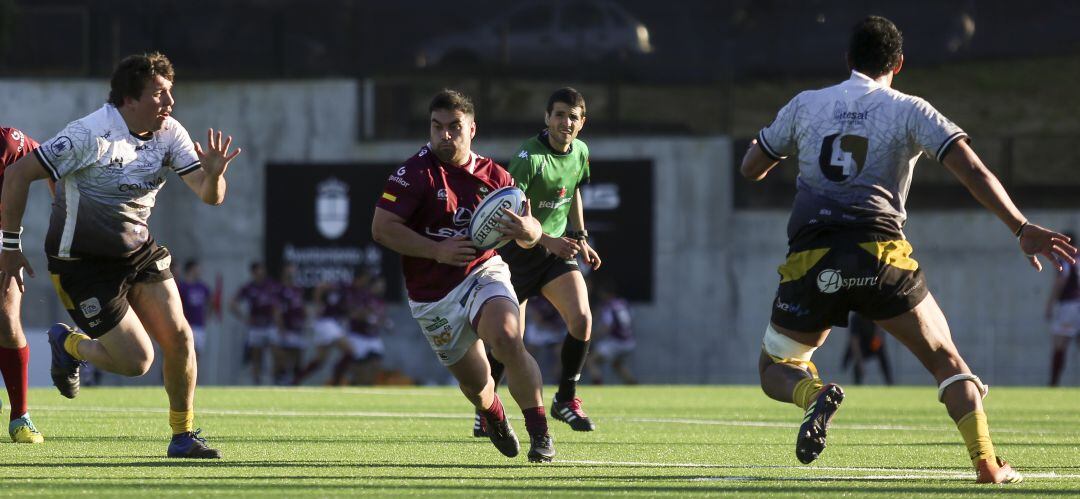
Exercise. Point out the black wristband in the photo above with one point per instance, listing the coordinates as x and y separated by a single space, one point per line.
1020 230
10 240
580 235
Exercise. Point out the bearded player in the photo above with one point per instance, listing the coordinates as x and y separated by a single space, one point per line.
457 294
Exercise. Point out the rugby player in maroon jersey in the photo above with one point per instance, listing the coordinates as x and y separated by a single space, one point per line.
457 294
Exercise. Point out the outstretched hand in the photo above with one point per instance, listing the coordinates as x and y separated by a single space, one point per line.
1054 246
215 159
12 263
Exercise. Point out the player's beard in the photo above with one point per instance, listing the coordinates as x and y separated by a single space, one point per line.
445 152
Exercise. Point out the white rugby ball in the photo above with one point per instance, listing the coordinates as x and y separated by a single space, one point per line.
486 217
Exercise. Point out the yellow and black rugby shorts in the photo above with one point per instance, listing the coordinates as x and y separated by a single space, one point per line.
94 290
839 274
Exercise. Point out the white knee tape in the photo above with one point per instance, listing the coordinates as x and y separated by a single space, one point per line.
778 345
983 389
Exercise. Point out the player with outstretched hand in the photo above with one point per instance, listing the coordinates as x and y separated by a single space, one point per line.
108 271
856 144
457 294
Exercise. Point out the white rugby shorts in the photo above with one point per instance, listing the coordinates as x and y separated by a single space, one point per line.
448 323
610 348
199 333
1066 319
364 347
327 330
261 337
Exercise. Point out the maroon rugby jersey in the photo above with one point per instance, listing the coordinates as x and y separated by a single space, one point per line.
262 299
293 313
14 144
437 201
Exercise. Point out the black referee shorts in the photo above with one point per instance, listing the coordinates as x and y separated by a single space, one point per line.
531 269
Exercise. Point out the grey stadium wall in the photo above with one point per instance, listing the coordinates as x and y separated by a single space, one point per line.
713 270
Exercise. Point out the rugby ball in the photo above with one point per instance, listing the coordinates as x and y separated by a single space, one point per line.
485 219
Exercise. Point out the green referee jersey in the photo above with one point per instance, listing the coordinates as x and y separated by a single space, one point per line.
550 179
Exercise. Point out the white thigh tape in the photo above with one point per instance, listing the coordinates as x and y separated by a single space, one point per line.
983 389
783 347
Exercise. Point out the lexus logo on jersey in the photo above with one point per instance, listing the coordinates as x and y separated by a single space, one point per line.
332 208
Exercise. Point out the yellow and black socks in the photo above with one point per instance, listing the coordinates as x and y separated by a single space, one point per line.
71 343
976 432
805 390
181 421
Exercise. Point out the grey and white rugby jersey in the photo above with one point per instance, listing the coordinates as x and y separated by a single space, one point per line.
107 180
857 144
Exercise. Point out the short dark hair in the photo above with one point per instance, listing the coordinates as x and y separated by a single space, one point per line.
452 100
568 96
190 264
876 46
134 72
255 266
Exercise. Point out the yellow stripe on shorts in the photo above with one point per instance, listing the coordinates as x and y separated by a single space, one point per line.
64 298
389 197
896 253
799 263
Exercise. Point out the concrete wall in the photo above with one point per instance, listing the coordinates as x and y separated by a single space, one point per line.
715 268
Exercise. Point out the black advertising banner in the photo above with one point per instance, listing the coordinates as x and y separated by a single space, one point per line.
618 206
318 218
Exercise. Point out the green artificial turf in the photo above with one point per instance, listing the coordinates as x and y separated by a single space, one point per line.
650 440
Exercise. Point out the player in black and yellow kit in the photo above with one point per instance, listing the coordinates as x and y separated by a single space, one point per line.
550 167
857 144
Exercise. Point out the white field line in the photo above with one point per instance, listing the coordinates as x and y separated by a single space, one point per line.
912 473
376 414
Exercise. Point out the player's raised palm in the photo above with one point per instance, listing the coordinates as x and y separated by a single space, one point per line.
216 157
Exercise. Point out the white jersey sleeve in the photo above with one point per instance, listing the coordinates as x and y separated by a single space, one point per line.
182 157
931 130
75 147
778 140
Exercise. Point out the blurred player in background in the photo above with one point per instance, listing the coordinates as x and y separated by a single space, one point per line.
457 294
195 298
1063 313
291 322
544 332
866 342
856 144
257 303
14 351
331 312
367 321
550 167
108 271
614 335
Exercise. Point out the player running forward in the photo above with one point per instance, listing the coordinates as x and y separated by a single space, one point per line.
549 168
856 144
457 294
108 271
14 351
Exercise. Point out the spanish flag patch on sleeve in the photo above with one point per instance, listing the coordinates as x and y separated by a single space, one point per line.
389 197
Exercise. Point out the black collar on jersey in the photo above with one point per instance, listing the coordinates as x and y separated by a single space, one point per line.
543 138
144 138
